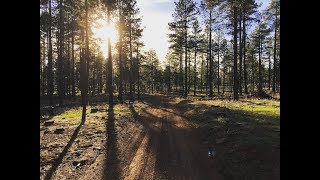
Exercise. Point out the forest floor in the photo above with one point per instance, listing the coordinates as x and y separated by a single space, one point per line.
163 137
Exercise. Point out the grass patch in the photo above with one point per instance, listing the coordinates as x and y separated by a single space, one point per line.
74 113
259 119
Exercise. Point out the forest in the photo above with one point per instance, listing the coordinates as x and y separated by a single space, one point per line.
110 108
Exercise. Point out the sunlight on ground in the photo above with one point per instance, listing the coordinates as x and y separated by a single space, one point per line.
253 106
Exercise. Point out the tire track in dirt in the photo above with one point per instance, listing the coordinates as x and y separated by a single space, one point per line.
161 145
177 155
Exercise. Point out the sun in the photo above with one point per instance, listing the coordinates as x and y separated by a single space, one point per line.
102 32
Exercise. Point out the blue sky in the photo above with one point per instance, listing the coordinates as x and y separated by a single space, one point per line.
156 16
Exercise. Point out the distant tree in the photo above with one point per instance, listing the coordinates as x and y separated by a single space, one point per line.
248 7
196 39
183 15
272 14
209 5
260 34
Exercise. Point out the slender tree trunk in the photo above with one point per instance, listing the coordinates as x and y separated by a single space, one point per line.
252 73
42 65
131 63
189 73
219 64
240 56
181 75
244 55
152 75
68 74
50 64
120 96
260 67
60 57
224 78
275 54
278 75
93 76
210 58
201 75
100 76
138 71
186 59
235 50
109 83
73 65
195 72
83 76
207 73
269 73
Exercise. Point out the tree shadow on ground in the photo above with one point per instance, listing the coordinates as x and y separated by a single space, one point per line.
176 156
58 161
111 169
248 143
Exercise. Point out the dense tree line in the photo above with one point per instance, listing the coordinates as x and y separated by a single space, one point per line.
233 56
216 47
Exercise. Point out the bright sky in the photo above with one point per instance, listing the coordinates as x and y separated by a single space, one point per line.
156 16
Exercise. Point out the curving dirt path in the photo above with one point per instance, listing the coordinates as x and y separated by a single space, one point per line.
156 143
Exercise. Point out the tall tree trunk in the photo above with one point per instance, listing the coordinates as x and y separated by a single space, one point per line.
201 75
152 75
100 76
195 72
42 66
218 64
50 64
235 50
41 59
260 66
223 79
60 56
189 73
240 55
84 72
131 63
181 75
68 74
244 55
120 96
186 59
73 64
138 71
210 58
207 73
109 83
83 79
93 76
275 54
252 72
269 73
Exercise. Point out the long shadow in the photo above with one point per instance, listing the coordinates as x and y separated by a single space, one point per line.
111 168
159 140
168 156
58 161
143 120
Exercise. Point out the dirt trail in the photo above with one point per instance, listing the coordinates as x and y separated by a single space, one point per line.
159 144
142 140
